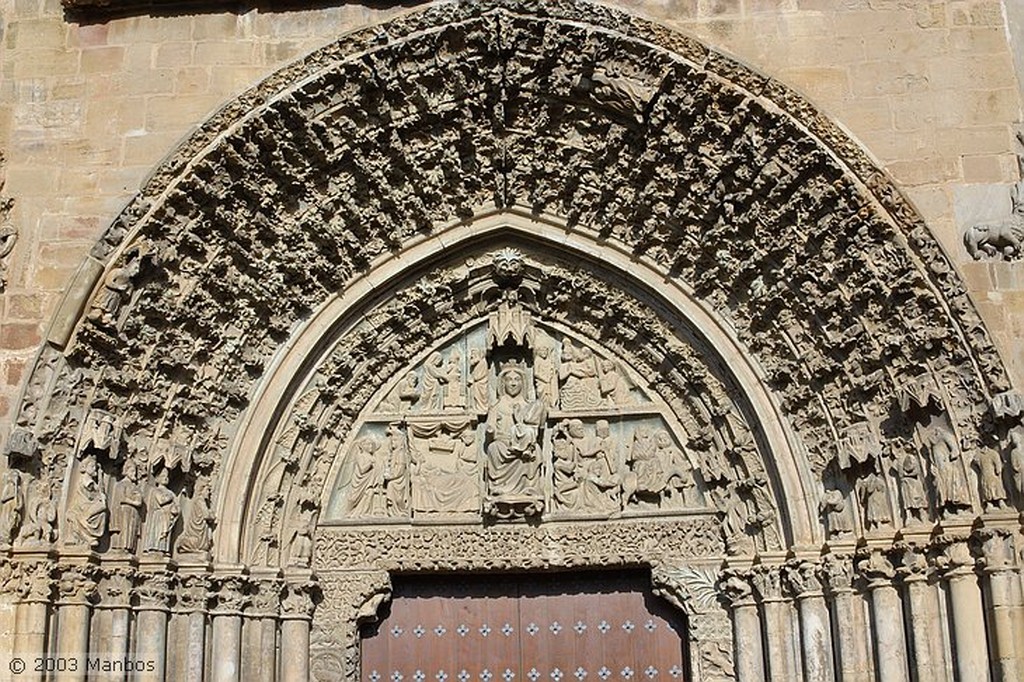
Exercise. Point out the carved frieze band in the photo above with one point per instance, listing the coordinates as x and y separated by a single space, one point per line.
503 546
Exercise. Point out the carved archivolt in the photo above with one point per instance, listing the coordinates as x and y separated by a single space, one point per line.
633 138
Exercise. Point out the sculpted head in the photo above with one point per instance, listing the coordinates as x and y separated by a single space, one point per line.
512 382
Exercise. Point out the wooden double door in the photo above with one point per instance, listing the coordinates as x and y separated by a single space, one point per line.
580 627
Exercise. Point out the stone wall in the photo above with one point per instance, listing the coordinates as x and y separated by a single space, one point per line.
88 107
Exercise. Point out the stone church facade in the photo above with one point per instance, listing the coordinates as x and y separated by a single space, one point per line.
302 303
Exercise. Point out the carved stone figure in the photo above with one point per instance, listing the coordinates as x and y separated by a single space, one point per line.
87 507
600 482
162 512
454 397
565 464
126 509
12 504
435 382
612 383
197 536
366 484
950 478
676 469
580 385
396 474
40 512
1016 437
479 395
545 374
875 499
116 289
833 508
300 543
408 391
915 498
512 471
1000 237
644 480
990 465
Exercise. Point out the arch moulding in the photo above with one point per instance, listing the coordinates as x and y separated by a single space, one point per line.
720 280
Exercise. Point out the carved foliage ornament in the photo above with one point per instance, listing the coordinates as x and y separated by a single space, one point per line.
719 176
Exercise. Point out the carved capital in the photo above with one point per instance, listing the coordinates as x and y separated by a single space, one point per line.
154 591
232 596
876 569
997 549
735 588
115 589
266 599
839 571
767 583
77 585
298 601
193 594
913 564
36 582
953 557
804 579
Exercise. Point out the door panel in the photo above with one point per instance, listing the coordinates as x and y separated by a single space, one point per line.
590 627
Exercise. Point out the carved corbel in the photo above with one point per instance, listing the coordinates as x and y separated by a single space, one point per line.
691 589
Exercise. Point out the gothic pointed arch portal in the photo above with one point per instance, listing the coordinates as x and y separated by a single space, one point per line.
740 361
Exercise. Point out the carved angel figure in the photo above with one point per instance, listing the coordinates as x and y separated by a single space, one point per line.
512 469
366 484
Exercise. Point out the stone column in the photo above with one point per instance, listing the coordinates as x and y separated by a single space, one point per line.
193 601
111 642
924 613
261 650
231 599
781 649
968 611
296 616
887 617
848 617
805 582
76 591
154 596
746 626
1000 565
31 614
